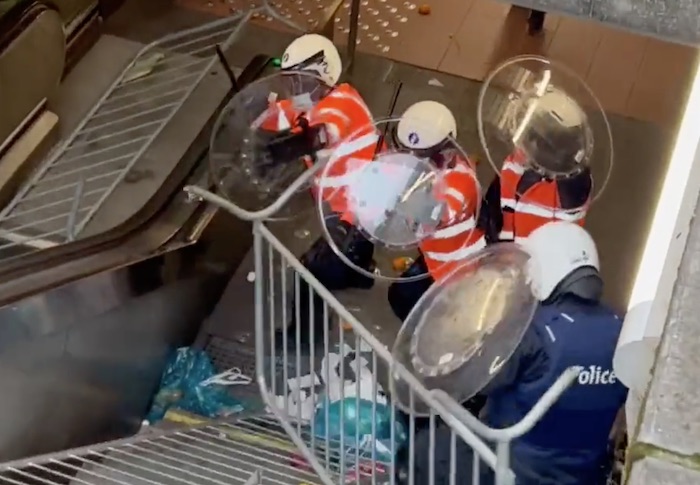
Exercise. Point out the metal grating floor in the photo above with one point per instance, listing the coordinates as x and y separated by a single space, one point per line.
71 186
234 354
220 454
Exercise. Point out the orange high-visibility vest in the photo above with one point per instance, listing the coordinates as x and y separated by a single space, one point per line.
342 112
457 238
352 143
528 200
279 116
347 160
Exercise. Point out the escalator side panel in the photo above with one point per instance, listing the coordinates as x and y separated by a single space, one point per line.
163 216
32 50
80 363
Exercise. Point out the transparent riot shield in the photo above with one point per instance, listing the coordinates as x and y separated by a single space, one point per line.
539 115
262 141
375 189
466 326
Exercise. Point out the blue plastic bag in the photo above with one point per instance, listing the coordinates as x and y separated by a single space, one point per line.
183 386
358 415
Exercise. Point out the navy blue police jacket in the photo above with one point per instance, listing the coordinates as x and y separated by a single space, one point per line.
569 446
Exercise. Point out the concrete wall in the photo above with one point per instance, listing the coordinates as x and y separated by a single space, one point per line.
666 449
665 438
674 20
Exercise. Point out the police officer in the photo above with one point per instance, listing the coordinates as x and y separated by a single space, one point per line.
341 112
547 177
571 327
428 128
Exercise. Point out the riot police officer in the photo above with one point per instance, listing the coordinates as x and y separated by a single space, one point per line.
571 327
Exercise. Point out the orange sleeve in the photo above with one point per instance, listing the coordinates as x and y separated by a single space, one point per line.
463 183
461 195
343 111
271 122
517 156
461 191
329 112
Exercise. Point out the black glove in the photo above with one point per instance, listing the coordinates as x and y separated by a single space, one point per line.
491 215
298 142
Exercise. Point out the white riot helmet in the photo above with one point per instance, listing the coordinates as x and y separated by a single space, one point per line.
314 53
561 108
425 125
563 259
558 132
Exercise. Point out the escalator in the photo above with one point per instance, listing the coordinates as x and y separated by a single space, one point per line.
221 454
125 159
94 289
106 205
122 165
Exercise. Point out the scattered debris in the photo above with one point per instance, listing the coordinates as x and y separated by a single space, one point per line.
402 264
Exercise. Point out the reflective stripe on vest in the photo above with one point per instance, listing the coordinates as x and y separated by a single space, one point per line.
346 163
516 168
352 103
277 117
511 172
458 254
334 120
441 264
567 215
343 112
457 238
523 213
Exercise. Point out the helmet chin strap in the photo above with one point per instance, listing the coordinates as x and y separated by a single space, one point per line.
584 283
314 63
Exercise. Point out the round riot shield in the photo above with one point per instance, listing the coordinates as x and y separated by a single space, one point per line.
262 141
540 115
465 327
374 190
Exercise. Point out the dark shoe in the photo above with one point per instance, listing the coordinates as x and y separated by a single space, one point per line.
361 281
535 24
